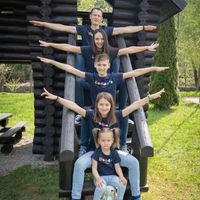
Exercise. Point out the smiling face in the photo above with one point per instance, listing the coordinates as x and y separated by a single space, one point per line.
103 107
96 17
106 140
102 67
99 40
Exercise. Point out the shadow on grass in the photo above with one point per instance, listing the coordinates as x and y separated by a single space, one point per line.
177 129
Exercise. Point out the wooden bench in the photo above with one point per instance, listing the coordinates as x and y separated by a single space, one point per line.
4 119
10 136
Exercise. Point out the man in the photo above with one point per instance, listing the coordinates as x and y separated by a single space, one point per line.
86 31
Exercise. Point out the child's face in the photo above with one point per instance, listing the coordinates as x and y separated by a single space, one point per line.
105 140
102 67
104 107
99 40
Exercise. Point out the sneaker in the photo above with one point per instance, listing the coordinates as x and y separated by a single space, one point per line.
124 148
130 121
78 119
82 151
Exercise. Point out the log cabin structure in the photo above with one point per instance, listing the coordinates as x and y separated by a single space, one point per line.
55 133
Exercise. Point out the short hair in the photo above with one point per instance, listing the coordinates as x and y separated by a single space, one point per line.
101 57
95 8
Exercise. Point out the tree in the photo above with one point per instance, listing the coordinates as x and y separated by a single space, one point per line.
166 56
188 46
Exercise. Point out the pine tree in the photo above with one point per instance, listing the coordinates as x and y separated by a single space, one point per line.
166 56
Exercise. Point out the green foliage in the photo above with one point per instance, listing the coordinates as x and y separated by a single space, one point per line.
4 73
166 56
13 84
188 46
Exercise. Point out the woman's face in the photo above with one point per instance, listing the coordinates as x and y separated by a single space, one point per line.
103 107
99 40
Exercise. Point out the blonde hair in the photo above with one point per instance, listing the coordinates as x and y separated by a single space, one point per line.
115 131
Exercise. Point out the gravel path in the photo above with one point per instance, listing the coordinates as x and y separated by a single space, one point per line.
192 99
21 155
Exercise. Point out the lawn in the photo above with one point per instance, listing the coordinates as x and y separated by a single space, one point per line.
173 172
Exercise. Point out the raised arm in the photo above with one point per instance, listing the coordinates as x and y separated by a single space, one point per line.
67 103
136 49
61 46
120 174
65 67
137 104
54 26
139 72
99 181
132 29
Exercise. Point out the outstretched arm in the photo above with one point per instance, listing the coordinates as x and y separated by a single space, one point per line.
132 29
139 72
65 67
136 49
137 104
61 46
54 26
67 103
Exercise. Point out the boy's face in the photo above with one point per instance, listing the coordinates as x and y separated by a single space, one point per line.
96 17
102 67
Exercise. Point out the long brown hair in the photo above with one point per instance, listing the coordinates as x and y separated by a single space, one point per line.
105 46
111 115
115 131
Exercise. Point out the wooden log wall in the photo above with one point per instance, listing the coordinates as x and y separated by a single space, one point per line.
139 12
48 114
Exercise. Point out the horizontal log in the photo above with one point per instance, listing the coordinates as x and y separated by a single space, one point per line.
13 29
12 38
19 48
15 56
128 4
14 3
148 35
143 16
12 20
122 22
41 131
124 14
64 1
43 121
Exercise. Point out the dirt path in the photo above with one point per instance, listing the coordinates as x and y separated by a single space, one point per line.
192 99
21 155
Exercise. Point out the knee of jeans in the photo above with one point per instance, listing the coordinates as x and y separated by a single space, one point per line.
79 166
132 162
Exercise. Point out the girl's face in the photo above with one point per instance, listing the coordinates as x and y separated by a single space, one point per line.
99 40
103 107
105 140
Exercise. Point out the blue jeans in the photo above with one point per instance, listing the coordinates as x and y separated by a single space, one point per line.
84 162
80 82
111 180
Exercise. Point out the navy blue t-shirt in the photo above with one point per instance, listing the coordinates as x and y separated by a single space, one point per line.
86 32
86 52
106 162
103 84
104 122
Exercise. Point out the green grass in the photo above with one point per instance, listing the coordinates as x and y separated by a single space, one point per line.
190 94
173 172
21 106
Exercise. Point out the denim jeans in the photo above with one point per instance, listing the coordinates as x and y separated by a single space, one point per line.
80 82
84 162
111 180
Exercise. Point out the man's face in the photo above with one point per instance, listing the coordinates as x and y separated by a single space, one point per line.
96 17
102 67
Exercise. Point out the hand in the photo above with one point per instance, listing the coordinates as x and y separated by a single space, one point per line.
44 60
153 46
150 28
44 44
123 180
160 69
37 23
48 95
99 182
157 94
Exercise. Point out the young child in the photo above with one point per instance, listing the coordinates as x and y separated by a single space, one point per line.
102 82
105 163
104 115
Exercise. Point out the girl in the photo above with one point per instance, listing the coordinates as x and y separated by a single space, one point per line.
105 163
104 115
102 82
